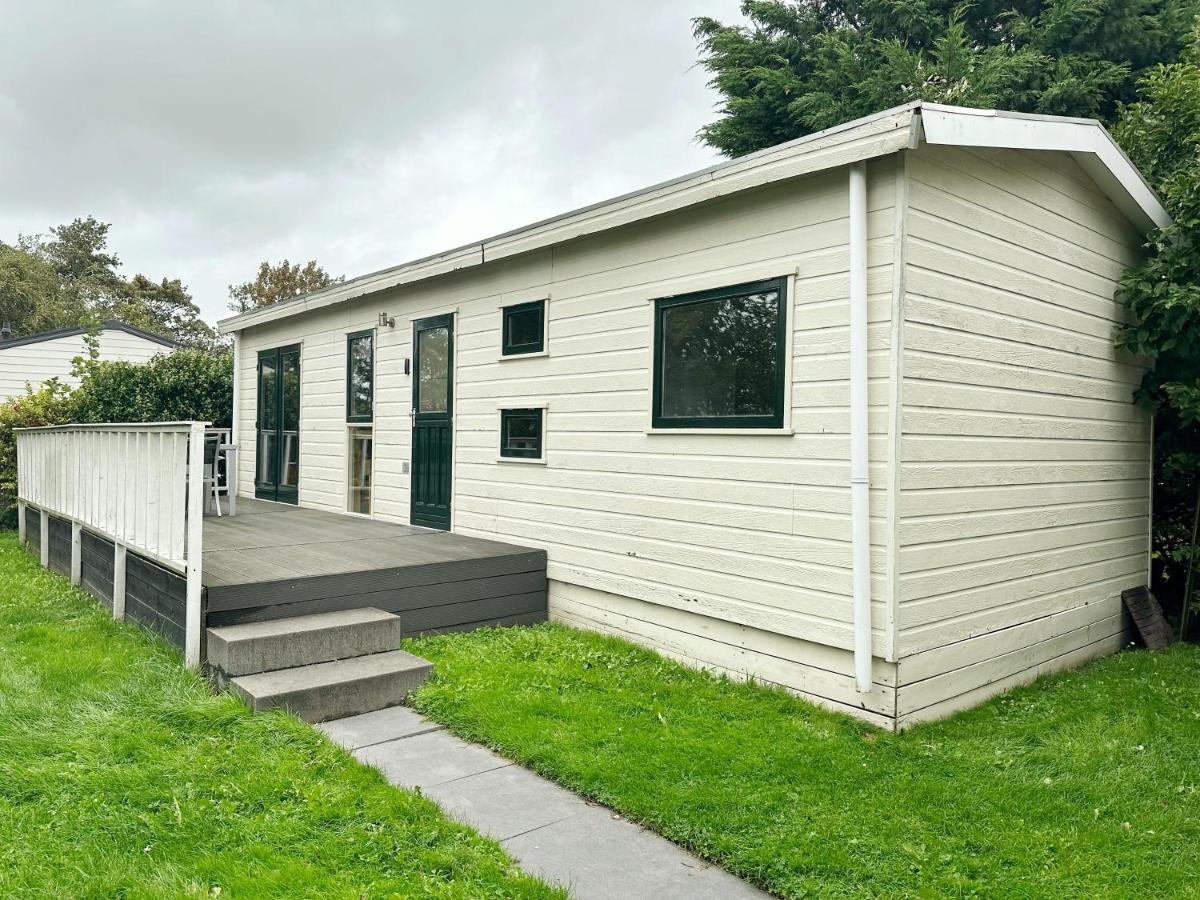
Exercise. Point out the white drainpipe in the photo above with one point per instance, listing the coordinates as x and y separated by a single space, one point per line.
860 512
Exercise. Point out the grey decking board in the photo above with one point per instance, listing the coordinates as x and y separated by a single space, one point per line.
487 609
403 602
59 545
267 542
274 561
294 590
521 619
33 528
96 567
416 596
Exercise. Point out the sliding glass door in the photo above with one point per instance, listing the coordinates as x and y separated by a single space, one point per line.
277 466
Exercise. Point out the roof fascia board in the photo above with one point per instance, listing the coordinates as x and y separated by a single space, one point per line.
114 325
876 135
76 331
1085 139
451 261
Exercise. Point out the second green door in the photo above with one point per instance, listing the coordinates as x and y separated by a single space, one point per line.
433 421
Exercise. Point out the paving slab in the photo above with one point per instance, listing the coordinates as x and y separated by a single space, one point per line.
425 760
506 802
377 727
584 847
597 855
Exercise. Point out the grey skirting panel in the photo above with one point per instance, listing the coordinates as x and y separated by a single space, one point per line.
155 598
96 567
33 529
60 545
508 589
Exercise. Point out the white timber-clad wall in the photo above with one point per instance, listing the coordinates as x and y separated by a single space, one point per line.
40 361
1024 488
729 550
1009 477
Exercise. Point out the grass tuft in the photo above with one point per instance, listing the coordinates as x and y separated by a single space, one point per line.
1083 784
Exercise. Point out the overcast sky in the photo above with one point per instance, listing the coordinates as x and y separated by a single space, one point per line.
214 134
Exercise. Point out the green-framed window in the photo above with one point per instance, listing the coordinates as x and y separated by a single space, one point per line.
719 357
360 376
521 433
523 328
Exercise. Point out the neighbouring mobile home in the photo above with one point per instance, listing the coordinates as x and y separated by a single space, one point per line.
36 358
844 415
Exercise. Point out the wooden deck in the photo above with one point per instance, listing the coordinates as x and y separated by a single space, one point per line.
272 560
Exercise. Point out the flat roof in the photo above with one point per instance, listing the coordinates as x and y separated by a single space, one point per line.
881 134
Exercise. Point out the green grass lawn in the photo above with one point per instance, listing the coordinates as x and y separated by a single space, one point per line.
1082 785
122 775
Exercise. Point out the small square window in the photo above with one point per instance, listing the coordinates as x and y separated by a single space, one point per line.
521 433
524 328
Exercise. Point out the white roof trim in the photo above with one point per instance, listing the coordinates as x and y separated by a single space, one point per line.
878 135
1085 139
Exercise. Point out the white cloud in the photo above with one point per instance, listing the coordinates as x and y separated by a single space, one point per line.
213 135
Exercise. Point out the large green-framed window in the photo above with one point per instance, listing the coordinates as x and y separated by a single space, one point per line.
523 328
360 376
719 357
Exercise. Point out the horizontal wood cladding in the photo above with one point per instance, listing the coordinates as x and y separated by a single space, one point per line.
818 673
1024 472
957 676
155 598
743 527
35 363
96 567
60 545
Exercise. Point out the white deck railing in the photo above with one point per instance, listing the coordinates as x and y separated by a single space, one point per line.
138 485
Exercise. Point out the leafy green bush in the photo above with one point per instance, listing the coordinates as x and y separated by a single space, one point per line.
186 384
51 405
1161 133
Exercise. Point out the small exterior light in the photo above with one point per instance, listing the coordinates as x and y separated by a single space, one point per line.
386 321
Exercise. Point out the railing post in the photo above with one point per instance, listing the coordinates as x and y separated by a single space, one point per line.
195 539
76 553
118 593
231 462
45 536
21 522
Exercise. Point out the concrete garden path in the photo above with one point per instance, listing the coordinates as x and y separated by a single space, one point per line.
551 832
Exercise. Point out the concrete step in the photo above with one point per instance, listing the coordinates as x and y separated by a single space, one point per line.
301 640
332 690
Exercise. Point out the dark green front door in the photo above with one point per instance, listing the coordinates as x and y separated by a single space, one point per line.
433 418
277 451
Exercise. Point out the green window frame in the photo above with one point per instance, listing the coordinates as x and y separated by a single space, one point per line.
761 391
522 433
523 328
360 406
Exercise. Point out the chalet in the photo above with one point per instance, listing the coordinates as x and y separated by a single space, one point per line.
36 358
